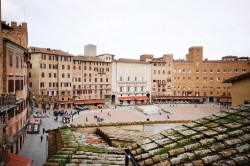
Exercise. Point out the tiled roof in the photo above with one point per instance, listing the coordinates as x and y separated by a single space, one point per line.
88 58
237 78
130 61
48 51
219 139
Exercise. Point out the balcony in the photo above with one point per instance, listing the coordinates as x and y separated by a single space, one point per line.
7 101
132 82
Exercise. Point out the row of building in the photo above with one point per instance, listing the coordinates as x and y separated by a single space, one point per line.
59 80
54 79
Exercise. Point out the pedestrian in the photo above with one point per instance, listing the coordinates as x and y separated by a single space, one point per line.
86 119
43 130
109 114
168 117
41 138
101 110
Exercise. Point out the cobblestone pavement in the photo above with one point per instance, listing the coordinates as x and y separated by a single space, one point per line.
37 150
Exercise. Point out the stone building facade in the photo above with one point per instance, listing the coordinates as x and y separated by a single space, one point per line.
131 82
87 80
59 80
14 92
92 80
50 78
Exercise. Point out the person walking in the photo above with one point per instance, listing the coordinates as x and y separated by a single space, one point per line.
41 138
43 130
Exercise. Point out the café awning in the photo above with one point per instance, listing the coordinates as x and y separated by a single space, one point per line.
91 101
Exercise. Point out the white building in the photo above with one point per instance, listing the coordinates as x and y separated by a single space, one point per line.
131 81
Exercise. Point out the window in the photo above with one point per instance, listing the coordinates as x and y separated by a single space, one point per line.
135 89
128 89
211 70
101 79
183 70
121 78
49 75
68 75
11 59
142 88
68 67
43 66
41 84
218 70
54 75
120 89
43 56
197 71
107 79
29 75
244 70
128 78
236 70
62 75
42 74
135 78
205 70
17 62
63 67
211 78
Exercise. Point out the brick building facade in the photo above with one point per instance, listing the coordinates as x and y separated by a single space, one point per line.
197 80
13 91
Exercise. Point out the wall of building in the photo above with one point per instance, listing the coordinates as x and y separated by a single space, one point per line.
240 91
130 78
197 77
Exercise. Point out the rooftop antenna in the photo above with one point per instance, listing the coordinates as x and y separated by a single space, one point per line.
24 14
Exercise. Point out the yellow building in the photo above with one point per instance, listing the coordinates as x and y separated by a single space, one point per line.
240 88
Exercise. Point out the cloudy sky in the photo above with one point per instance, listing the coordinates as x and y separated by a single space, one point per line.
129 28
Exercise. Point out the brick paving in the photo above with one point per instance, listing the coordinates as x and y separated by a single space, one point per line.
37 150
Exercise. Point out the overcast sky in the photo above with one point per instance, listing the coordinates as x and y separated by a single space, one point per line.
129 28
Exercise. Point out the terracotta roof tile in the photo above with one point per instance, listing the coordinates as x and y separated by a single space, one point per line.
219 139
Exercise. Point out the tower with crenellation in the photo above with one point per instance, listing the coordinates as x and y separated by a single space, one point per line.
17 33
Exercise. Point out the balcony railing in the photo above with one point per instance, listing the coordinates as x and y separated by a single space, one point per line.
132 82
7 101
